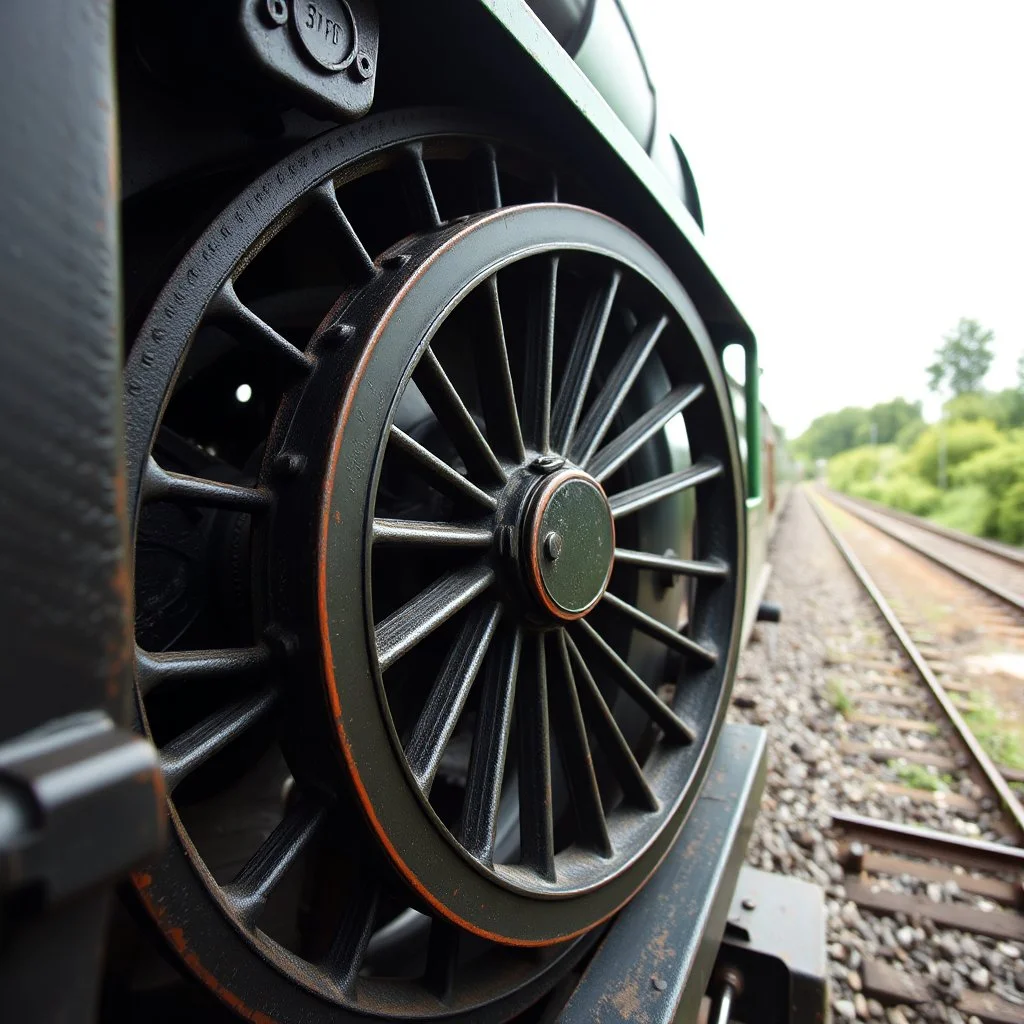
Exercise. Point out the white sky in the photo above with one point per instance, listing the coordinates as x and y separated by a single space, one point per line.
861 172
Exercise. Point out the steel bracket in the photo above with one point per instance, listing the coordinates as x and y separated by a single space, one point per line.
81 801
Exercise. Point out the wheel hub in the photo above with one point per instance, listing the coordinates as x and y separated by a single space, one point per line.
569 541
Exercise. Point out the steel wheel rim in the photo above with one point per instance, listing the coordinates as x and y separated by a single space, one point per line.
561 923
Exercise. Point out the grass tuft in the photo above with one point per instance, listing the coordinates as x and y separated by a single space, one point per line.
838 697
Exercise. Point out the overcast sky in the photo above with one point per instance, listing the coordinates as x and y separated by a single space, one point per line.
861 172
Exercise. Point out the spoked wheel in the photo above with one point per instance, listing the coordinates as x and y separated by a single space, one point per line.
435 635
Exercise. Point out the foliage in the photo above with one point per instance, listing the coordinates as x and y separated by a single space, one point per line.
1010 515
838 697
962 440
963 358
901 491
1004 408
997 468
917 776
909 433
859 465
1003 740
889 455
848 428
968 509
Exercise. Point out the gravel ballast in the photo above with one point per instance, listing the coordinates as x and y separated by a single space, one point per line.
797 679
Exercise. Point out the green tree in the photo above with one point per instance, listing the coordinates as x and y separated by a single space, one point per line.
884 421
832 433
963 359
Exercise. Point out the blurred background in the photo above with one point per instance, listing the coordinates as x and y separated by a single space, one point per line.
860 170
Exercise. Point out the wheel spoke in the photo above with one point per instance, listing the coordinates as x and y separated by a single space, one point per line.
600 415
156 669
159 484
187 752
495 380
676 566
438 473
576 758
442 958
540 353
435 535
654 628
354 254
441 712
626 502
634 437
401 631
675 729
421 195
491 183
582 359
227 311
348 949
536 828
490 745
609 736
251 888
457 421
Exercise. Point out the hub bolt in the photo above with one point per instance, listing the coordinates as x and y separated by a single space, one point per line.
547 463
553 545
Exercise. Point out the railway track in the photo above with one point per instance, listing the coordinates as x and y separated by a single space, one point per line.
995 568
908 717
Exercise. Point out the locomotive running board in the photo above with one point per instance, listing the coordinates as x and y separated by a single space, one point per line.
657 959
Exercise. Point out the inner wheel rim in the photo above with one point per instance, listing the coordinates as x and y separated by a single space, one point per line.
533 680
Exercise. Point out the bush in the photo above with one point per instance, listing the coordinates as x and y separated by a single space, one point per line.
962 441
997 468
860 465
909 433
970 509
1010 515
910 494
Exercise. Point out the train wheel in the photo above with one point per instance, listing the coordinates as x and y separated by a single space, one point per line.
439 567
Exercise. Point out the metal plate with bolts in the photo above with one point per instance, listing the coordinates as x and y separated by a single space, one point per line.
775 942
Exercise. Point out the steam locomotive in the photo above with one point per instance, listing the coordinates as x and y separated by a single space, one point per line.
381 529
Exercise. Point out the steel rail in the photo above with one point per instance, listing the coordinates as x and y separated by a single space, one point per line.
985 764
929 842
1007 552
961 570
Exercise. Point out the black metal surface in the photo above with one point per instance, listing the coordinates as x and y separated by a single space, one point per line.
775 945
80 798
657 960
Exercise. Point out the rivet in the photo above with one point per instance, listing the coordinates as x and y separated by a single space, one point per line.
288 464
659 983
748 903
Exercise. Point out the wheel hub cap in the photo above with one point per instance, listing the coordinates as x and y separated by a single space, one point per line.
570 541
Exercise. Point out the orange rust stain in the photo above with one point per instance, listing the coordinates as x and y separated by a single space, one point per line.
337 515
176 936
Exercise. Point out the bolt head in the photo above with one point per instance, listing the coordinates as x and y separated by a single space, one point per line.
547 463
276 11
553 545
